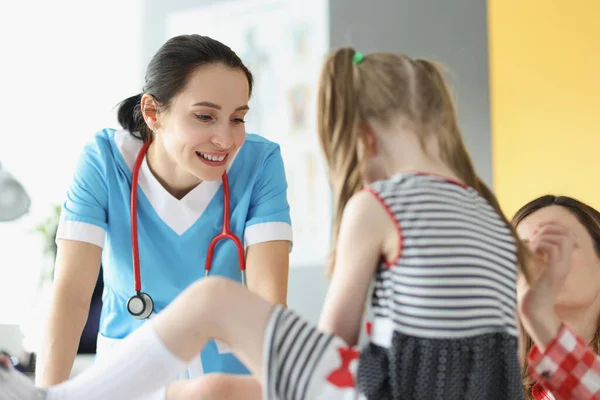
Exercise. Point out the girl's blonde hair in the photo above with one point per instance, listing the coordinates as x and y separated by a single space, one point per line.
380 86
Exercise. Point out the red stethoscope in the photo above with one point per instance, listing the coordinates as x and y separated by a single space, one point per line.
140 305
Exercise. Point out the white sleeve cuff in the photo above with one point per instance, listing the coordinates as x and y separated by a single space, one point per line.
81 232
268 232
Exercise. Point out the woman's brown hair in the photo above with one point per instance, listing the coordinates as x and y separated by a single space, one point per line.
590 219
379 87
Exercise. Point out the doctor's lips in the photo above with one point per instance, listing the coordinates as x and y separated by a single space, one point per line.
213 159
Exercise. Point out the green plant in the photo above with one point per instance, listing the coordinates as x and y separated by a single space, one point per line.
47 229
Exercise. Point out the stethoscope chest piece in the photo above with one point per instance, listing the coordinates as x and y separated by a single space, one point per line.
140 305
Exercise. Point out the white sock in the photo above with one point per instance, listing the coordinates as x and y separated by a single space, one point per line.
16 386
142 365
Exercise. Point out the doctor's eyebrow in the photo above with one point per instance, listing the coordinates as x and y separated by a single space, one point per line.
218 107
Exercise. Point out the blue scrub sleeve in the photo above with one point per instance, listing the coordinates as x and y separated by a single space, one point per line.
84 212
269 213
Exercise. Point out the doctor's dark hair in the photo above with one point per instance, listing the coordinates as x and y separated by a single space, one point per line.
168 73
382 86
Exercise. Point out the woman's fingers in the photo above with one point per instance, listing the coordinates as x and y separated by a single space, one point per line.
551 226
552 242
546 251
550 232
554 254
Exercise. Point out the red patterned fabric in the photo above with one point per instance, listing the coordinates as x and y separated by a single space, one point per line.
568 369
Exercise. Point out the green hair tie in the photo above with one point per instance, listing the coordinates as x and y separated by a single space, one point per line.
357 58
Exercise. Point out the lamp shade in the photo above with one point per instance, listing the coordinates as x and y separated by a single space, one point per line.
14 201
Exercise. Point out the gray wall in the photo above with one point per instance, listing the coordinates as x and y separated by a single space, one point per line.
451 32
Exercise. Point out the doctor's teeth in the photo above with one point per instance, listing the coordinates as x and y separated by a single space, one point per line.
211 158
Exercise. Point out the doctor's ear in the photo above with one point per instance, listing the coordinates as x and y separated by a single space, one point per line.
149 107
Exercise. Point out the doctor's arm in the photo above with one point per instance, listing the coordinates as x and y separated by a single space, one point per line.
267 268
77 269
268 232
362 239
80 236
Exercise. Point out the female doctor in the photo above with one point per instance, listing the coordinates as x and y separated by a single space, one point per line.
184 137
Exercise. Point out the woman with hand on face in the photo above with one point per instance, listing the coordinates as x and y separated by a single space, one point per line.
183 135
560 307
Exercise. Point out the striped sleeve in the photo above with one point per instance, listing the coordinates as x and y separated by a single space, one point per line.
299 361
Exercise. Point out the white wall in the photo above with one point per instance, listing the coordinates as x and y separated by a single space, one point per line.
64 65
283 43
272 22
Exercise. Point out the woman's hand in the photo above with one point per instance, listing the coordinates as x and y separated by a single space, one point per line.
552 246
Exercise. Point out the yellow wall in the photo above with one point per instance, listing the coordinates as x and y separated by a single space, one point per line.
545 97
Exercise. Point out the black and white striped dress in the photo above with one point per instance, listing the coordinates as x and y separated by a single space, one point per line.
445 310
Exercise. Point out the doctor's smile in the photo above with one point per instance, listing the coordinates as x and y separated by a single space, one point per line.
213 159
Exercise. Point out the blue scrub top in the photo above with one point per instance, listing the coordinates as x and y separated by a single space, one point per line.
173 234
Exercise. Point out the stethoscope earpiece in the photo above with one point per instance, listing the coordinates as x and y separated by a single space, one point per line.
140 305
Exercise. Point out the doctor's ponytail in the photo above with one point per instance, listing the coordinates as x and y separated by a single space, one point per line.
130 117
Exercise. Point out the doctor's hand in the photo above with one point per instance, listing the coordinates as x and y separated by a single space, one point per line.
216 387
552 246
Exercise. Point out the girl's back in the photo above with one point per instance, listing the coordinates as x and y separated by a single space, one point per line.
444 325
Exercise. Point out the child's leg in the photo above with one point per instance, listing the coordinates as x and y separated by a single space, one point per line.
216 308
301 362
152 355
216 387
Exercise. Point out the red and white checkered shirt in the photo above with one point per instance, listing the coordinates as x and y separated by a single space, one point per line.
567 370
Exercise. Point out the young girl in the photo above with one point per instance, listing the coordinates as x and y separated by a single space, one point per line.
425 230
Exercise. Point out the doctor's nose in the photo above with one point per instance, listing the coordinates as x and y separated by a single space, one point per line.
223 138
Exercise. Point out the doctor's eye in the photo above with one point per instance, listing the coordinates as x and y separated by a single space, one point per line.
204 117
238 121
